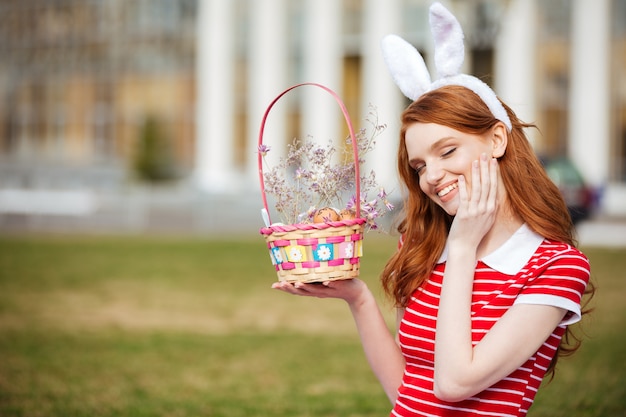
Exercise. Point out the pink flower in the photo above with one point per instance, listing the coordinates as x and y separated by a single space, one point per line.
263 149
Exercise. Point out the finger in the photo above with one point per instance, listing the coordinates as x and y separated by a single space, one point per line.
463 196
485 179
315 289
284 286
302 287
476 189
493 173
296 288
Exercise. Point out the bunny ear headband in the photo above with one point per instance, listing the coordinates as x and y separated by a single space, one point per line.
409 71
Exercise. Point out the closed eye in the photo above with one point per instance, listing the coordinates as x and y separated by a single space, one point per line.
448 152
419 168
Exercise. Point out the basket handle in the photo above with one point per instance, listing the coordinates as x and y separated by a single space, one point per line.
344 110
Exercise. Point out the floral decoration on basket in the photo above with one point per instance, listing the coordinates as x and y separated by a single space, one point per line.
322 201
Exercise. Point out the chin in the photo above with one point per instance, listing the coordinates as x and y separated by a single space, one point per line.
450 210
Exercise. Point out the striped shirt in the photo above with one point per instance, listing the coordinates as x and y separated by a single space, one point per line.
527 269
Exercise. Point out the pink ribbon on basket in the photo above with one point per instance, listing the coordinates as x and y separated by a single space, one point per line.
309 226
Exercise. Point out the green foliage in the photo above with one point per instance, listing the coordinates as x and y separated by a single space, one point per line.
140 326
153 159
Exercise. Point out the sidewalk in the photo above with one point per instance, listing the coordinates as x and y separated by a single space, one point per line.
602 233
133 210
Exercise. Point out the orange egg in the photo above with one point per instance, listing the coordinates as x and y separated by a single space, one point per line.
347 214
325 215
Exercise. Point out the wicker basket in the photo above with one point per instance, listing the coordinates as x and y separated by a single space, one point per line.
315 252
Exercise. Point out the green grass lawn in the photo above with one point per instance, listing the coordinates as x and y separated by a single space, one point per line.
166 326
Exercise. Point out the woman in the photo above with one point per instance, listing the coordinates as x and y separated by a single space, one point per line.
487 277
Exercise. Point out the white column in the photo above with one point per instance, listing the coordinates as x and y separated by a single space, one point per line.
589 104
322 63
215 70
515 60
379 19
267 77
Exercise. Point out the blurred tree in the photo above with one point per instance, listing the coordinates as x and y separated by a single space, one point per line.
154 161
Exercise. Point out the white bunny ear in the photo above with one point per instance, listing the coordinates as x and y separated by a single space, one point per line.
448 36
406 66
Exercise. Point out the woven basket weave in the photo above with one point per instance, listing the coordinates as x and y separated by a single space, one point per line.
315 252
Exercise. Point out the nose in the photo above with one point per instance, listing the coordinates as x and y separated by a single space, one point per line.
434 173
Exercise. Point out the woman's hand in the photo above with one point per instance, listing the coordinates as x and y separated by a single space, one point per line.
477 208
351 290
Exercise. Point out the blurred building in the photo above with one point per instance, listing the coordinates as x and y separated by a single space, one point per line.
80 78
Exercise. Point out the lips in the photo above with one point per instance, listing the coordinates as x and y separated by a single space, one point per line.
445 190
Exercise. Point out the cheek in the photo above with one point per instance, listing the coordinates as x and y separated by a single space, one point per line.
423 185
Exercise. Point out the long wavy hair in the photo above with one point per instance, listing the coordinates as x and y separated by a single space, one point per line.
425 226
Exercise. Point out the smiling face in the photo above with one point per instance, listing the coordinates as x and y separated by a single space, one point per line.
440 154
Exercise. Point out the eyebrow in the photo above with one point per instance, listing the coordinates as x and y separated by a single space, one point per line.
437 144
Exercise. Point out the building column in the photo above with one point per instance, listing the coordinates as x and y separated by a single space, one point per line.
215 68
322 63
380 19
515 61
267 77
589 99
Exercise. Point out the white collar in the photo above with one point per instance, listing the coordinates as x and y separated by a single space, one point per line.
511 257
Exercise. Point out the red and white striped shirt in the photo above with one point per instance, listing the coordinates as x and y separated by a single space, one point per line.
527 269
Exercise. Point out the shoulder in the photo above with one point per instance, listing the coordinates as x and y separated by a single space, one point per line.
558 264
559 253
557 275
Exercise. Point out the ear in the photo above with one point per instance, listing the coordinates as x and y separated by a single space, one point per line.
499 139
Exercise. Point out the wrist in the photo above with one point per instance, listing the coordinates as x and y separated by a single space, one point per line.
361 298
462 249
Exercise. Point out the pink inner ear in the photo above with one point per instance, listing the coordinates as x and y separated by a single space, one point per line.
441 30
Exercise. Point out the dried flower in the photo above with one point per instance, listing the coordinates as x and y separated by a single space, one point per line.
322 176
263 149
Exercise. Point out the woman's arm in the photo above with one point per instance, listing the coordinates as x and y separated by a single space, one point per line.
381 350
462 370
